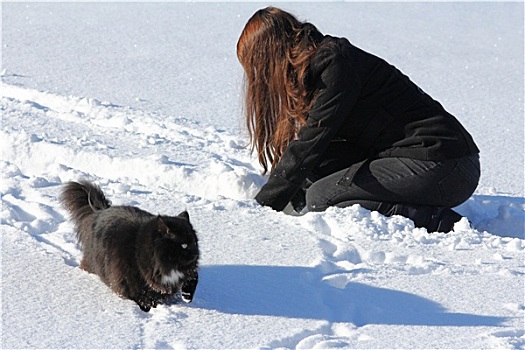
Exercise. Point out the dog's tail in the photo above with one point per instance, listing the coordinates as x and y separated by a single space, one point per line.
81 199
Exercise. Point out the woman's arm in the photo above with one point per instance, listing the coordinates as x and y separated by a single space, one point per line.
337 86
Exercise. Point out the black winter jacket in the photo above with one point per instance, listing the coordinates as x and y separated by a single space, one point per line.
364 108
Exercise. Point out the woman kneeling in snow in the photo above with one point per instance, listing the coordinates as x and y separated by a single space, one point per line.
339 126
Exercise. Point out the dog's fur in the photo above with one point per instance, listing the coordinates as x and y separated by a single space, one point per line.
140 256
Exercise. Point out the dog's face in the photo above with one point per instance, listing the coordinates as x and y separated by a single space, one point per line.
176 249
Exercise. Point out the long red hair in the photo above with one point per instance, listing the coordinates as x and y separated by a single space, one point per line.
274 49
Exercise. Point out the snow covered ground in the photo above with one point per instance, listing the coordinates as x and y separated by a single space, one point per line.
144 99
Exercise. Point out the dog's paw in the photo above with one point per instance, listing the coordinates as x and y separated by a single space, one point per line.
189 287
144 307
186 297
147 299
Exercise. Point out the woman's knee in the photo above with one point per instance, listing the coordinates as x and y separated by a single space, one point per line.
461 182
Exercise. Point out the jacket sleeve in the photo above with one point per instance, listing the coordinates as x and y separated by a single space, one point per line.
337 86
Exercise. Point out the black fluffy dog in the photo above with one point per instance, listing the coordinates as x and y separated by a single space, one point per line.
140 256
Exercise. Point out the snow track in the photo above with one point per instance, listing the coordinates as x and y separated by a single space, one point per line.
344 278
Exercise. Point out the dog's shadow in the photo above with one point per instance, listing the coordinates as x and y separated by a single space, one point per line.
299 292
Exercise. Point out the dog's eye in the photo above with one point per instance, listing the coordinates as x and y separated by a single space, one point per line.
184 246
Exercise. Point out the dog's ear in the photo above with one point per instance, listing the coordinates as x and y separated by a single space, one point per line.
184 215
161 226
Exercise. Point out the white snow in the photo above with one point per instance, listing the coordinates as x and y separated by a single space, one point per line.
145 100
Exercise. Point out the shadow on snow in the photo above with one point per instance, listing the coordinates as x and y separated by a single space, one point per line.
299 292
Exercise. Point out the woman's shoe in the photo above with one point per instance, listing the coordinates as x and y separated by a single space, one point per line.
434 219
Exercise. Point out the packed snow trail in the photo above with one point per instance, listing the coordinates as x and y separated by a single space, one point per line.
343 278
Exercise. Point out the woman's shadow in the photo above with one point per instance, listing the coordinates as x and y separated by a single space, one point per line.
300 292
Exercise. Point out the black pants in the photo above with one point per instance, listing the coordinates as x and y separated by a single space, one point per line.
377 182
